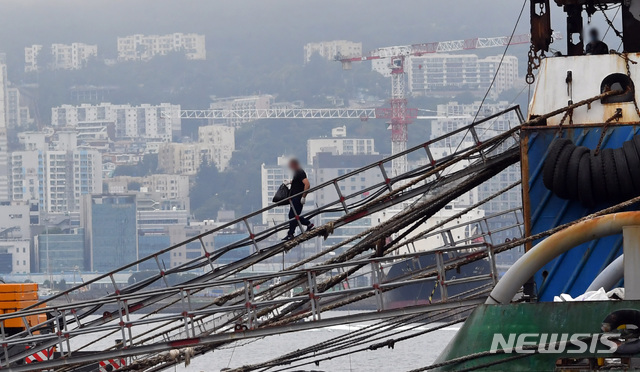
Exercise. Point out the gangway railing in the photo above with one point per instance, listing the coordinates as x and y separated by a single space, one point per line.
61 333
350 207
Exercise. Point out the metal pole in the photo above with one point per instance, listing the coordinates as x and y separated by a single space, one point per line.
631 247
46 227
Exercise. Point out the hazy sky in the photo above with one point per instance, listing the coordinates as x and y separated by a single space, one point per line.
258 29
244 26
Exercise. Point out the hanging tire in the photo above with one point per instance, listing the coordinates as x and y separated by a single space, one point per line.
633 161
573 172
636 142
610 175
549 166
585 191
624 175
597 177
560 172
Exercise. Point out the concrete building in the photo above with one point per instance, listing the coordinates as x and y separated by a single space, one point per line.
33 141
31 58
145 122
506 201
330 49
111 232
326 167
144 47
4 144
191 250
186 158
167 186
57 180
272 176
221 141
18 114
15 238
340 144
63 57
445 73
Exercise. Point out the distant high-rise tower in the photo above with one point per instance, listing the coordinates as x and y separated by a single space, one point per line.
4 155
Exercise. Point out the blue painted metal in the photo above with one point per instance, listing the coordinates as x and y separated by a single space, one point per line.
573 271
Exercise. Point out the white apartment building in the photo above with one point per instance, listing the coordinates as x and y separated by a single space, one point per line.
327 166
4 155
434 73
222 142
272 176
186 158
145 122
31 58
18 114
56 179
167 186
340 144
63 56
15 242
144 47
508 200
330 49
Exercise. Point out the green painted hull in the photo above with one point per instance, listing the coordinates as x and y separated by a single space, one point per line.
476 335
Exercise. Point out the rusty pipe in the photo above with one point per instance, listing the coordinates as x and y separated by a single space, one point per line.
555 245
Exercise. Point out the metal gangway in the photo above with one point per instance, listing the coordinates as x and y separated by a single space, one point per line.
261 304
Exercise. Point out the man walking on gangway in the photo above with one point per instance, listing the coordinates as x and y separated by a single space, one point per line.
299 183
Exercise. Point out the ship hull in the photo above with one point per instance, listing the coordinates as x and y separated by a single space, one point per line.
431 291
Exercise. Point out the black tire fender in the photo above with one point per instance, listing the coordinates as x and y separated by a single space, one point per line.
560 172
610 175
572 174
585 191
633 161
549 166
624 175
597 177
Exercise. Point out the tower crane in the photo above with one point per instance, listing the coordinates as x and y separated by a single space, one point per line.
398 114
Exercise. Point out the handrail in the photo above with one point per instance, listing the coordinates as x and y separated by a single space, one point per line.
273 206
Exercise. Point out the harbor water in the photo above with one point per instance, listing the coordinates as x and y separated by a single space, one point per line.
406 355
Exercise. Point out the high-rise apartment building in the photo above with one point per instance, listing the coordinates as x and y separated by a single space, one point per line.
18 114
506 201
442 73
216 145
221 141
327 166
4 154
144 47
31 54
56 179
62 56
272 176
330 49
145 122
340 144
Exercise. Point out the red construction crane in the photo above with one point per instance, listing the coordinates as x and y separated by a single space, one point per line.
398 114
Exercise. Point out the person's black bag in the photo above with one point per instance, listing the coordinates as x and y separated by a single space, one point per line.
281 194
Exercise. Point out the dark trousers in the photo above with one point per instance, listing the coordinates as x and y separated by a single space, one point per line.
292 215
